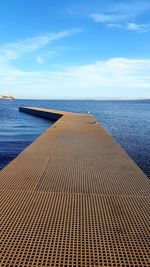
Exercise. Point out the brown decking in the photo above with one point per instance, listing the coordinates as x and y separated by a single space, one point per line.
74 198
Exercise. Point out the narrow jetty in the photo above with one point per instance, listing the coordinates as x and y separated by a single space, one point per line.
74 198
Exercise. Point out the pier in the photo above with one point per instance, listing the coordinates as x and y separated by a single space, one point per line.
74 198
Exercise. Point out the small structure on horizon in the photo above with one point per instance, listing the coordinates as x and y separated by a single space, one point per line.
6 97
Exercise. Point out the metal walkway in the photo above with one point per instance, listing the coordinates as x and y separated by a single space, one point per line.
74 198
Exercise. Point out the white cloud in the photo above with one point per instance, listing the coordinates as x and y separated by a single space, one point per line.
141 28
45 56
39 60
14 50
115 77
133 7
123 15
138 27
114 25
108 17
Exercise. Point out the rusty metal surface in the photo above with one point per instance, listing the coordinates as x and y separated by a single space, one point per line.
74 198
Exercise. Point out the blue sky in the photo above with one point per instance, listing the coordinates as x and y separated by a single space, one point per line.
75 49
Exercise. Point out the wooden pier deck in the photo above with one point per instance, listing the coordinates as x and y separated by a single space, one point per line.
74 198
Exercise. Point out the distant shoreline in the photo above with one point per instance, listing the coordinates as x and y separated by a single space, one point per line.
78 99
6 97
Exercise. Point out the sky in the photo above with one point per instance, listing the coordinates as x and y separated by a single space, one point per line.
72 49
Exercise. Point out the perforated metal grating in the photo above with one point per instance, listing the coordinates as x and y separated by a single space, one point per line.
84 212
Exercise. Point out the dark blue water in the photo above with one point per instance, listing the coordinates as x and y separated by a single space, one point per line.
127 121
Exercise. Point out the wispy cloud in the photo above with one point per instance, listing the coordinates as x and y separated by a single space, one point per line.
39 60
138 27
45 56
136 7
97 17
131 26
124 16
14 50
125 76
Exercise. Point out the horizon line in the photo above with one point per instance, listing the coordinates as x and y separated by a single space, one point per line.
94 99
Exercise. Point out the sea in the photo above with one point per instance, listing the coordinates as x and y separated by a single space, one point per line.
128 121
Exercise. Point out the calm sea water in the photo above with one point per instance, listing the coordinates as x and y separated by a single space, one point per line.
127 121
